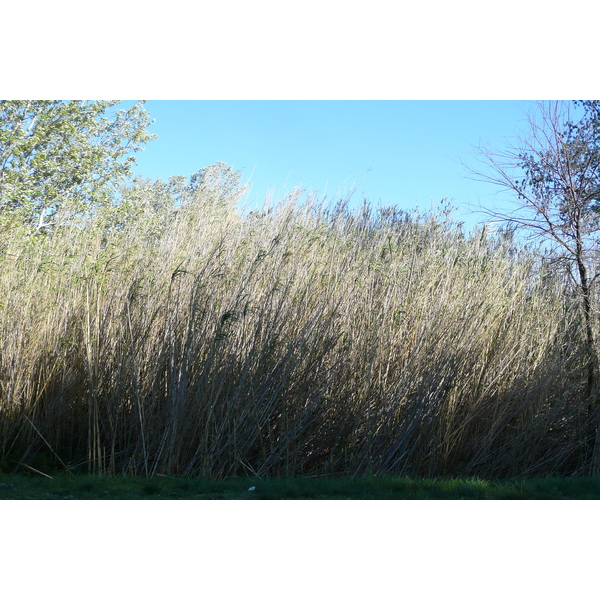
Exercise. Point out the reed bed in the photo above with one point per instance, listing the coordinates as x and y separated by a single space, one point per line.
170 336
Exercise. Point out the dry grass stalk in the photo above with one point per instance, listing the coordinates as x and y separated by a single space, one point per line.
303 339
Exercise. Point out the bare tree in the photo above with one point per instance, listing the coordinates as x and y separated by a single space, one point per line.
554 177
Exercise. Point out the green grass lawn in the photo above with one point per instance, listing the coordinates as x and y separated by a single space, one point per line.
89 487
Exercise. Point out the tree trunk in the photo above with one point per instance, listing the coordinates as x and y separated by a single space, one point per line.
592 428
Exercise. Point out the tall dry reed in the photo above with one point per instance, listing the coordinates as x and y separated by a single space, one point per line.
174 335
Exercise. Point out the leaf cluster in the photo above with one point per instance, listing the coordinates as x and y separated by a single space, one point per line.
563 170
56 153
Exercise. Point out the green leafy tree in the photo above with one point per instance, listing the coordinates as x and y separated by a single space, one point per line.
554 176
65 154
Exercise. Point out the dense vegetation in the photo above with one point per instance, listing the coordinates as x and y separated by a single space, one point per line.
170 333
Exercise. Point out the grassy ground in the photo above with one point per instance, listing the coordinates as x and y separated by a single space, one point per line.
88 487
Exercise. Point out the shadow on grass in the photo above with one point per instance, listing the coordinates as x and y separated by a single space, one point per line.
90 487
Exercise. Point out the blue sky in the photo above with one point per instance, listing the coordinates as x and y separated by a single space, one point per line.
406 153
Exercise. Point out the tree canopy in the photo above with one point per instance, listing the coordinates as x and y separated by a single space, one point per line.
554 174
65 154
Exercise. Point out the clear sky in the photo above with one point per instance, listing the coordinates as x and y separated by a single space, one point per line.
406 153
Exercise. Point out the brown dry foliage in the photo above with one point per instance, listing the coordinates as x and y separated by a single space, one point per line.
302 339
